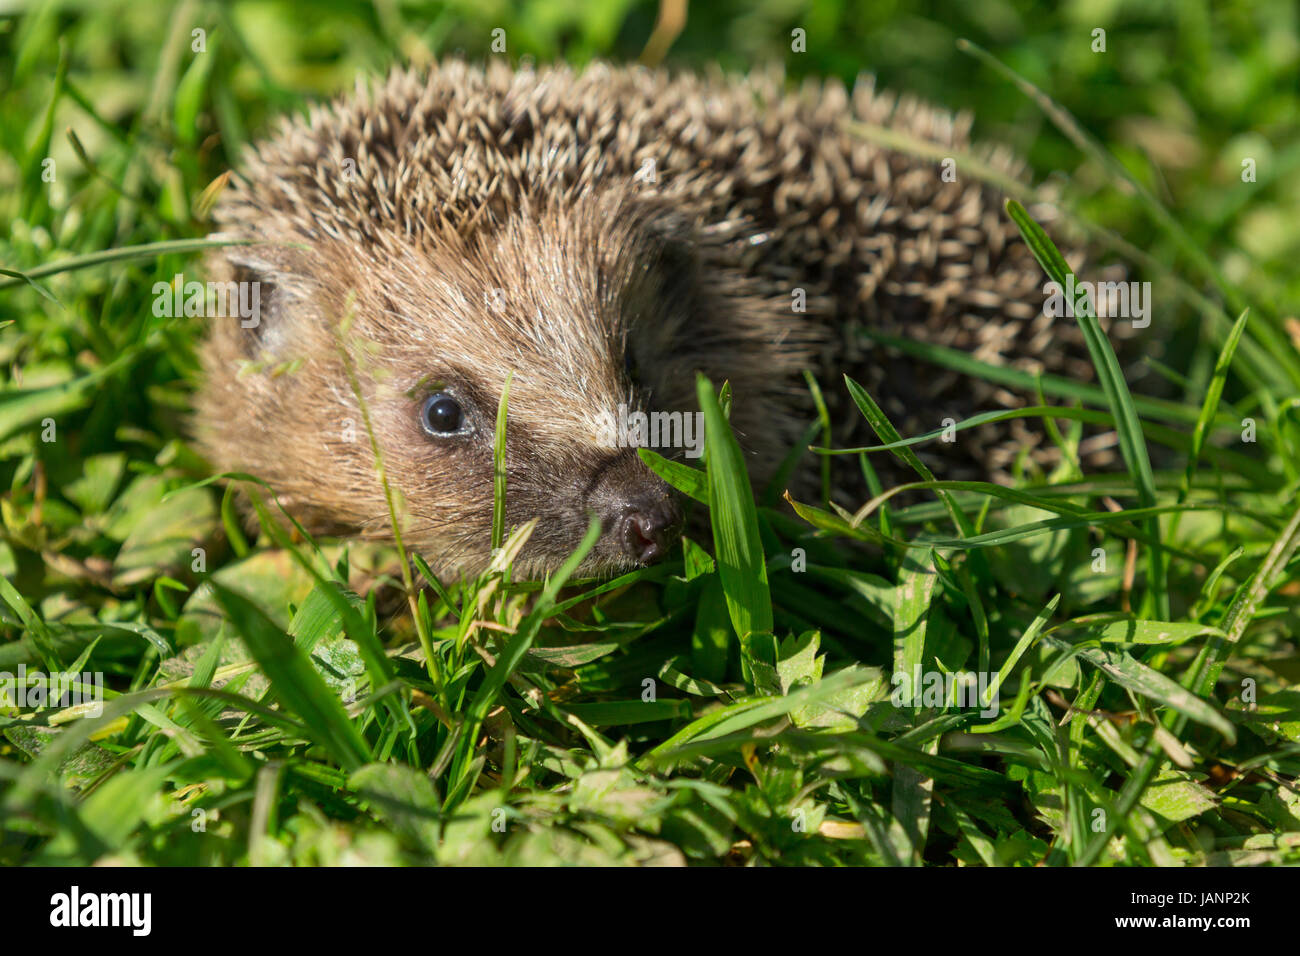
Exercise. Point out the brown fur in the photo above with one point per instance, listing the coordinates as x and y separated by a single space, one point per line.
469 181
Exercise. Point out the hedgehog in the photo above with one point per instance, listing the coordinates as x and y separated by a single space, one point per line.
600 237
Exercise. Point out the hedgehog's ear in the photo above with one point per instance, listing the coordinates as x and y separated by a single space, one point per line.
265 286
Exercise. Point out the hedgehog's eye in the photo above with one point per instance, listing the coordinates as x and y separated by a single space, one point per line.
441 415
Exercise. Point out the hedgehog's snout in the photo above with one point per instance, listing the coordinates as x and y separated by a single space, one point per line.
636 509
646 529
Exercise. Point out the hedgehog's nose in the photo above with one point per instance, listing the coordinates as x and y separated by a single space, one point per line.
645 529
637 510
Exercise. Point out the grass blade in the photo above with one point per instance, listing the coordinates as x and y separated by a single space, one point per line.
1131 443
295 679
737 545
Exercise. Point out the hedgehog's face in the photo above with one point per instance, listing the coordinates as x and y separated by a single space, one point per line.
432 337
593 316
568 333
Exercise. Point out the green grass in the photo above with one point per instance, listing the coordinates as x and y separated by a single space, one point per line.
271 699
